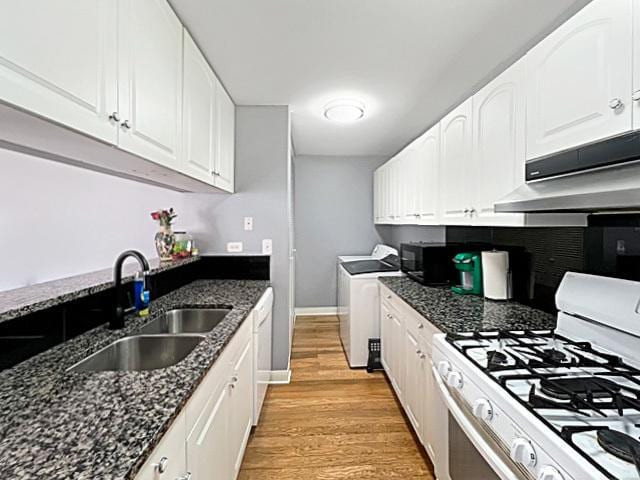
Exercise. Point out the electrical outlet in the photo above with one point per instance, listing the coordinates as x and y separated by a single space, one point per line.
248 223
267 246
234 247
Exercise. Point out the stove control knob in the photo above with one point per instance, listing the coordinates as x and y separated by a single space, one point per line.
550 473
454 380
482 409
522 452
444 368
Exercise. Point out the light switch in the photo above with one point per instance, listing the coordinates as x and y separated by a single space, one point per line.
248 223
234 247
267 246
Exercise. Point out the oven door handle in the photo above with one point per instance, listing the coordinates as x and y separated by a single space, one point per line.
469 426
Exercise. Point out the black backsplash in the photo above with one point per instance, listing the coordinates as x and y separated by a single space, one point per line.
609 246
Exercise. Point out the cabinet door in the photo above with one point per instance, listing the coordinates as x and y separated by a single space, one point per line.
241 398
208 446
199 114
428 156
414 380
498 145
376 196
225 160
579 80
455 160
59 60
170 452
385 339
636 66
396 327
150 80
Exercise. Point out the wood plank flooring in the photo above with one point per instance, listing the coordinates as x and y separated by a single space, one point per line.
331 422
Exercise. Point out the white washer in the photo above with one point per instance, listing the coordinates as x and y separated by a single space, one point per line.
358 306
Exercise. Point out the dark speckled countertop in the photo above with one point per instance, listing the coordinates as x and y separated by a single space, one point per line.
58 425
453 313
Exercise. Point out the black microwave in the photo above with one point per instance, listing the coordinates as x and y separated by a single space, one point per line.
429 263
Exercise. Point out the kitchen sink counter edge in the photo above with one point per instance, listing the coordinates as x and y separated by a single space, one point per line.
454 313
57 424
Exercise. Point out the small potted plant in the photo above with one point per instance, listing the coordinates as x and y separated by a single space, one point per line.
165 238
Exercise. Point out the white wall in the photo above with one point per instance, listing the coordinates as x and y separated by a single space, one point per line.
334 216
58 220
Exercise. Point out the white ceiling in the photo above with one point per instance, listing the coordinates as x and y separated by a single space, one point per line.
410 61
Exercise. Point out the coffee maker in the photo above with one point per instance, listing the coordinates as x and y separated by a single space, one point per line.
469 266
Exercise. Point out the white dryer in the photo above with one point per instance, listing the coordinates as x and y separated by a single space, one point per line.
358 299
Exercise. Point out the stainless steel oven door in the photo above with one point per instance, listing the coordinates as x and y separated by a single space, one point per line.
473 453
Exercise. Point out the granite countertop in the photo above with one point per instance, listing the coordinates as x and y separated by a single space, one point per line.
25 300
87 425
453 313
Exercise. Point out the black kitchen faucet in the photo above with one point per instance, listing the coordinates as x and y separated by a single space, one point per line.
119 311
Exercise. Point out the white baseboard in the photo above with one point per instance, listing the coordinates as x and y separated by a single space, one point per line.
316 311
280 377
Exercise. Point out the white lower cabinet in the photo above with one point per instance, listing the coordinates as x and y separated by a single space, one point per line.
241 405
209 437
207 445
168 459
414 379
406 344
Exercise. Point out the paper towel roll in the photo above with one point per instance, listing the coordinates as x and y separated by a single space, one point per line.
496 277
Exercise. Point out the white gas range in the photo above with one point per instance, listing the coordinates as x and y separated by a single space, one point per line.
548 405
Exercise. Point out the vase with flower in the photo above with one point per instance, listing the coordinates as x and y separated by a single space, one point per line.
165 238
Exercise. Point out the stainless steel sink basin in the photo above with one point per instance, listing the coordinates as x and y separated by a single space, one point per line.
186 320
141 352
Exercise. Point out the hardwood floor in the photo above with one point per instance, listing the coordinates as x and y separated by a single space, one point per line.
331 422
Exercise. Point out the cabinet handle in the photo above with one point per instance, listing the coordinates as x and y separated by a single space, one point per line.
472 211
161 466
615 104
423 356
234 379
186 476
126 125
388 315
418 352
114 117
421 326
636 96
389 297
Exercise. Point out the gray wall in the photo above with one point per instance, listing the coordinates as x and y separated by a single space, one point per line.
261 192
394 235
333 216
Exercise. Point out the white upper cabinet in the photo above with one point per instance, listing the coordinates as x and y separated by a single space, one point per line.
225 159
579 80
636 66
498 145
150 86
198 113
455 157
59 60
427 158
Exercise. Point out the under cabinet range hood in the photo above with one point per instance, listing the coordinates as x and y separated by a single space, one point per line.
600 177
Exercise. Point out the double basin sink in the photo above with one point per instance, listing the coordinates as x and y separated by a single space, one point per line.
162 342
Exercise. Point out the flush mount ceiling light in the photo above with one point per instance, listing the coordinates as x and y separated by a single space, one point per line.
344 110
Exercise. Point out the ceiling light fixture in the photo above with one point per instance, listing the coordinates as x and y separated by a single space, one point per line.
344 110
